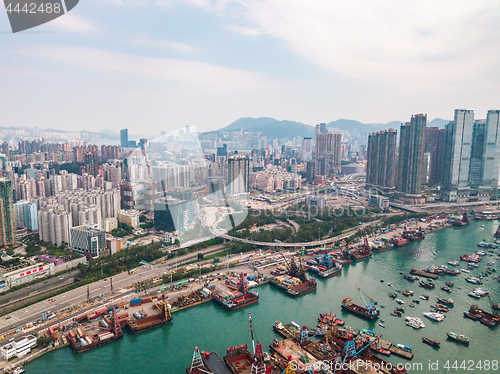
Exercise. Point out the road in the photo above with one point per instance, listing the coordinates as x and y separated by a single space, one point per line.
120 281
315 243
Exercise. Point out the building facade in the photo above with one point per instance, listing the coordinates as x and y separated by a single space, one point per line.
7 219
381 159
238 174
89 240
411 155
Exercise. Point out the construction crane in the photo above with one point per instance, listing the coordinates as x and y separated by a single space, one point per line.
350 352
164 309
371 306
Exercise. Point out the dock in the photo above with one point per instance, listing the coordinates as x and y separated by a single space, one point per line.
423 273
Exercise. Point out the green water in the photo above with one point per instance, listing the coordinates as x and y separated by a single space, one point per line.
169 349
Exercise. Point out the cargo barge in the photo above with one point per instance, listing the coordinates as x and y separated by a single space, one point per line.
81 343
296 283
206 363
369 312
423 273
238 359
328 267
463 222
142 324
363 253
230 301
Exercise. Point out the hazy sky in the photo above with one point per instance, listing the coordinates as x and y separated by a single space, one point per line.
152 65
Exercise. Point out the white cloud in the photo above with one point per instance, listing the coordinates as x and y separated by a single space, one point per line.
164 44
219 77
73 23
249 31
424 42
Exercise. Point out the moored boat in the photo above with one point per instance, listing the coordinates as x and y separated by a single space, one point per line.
458 337
432 343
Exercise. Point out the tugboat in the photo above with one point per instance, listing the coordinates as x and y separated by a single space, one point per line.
459 338
432 343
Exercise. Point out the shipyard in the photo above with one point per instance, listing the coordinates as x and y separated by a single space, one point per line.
154 309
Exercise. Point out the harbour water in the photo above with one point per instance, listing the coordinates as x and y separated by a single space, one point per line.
169 349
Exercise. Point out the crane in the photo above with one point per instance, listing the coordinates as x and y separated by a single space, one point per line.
372 310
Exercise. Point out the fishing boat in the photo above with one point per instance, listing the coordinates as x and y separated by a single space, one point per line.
381 325
472 316
458 337
393 295
465 270
432 343
445 302
450 284
412 305
446 288
399 301
424 297
454 263
427 284
474 280
400 309
407 293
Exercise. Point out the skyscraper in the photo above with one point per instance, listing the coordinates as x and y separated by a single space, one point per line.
435 146
92 163
477 154
411 155
238 174
124 138
329 146
491 173
458 146
7 220
381 158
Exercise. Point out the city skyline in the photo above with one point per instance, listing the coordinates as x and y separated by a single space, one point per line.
150 63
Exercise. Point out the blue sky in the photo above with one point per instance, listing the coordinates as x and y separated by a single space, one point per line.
153 65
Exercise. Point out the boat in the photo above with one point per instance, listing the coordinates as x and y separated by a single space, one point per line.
381 325
390 284
416 301
462 222
382 306
441 308
380 350
400 309
80 343
427 284
330 319
393 295
472 316
369 311
446 288
435 316
444 301
399 301
16 370
296 282
454 263
238 357
412 305
465 270
230 301
450 284
404 347
407 293
452 272
432 343
410 278
395 314
331 266
459 338
381 281
414 322
424 297
474 280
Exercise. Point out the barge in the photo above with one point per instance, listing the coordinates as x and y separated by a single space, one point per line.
136 325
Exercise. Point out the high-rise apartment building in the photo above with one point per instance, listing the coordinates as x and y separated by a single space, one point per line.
476 167
7 220
491 173
381 158
124 138
458 147
411 155
435 146
92 163
238 174
329 144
